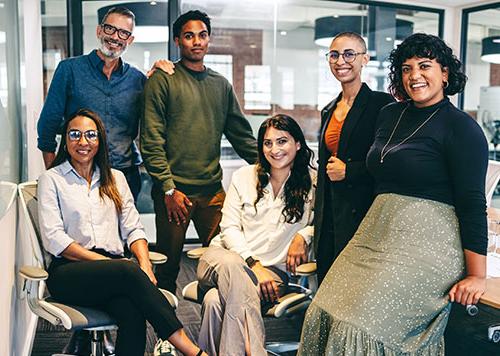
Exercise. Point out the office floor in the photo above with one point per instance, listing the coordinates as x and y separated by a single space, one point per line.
50 339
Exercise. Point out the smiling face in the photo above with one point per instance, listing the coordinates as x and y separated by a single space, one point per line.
193 41
112 46
423 80
348 72
280 149
81 151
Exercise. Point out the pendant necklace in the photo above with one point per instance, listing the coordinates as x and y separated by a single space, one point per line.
382 153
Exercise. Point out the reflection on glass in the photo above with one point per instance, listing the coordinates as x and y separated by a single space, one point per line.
277 65
483 85
54 38
9 166
7 196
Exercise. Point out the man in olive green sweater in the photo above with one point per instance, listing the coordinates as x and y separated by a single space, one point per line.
185 115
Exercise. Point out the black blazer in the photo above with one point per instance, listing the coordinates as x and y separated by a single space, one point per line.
349 199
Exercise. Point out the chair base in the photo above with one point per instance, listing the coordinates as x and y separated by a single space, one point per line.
277 348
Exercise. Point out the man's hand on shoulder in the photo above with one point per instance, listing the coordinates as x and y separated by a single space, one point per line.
177 205
164 65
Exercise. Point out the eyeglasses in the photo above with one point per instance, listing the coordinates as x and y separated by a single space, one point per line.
90 135
348 55
110 30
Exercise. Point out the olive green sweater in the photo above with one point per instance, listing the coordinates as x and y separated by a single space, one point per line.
185 115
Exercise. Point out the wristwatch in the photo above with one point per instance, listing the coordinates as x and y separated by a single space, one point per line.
251 261
170 192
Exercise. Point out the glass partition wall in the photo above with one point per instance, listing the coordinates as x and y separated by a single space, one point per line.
277 49
273 52
481 57
10 86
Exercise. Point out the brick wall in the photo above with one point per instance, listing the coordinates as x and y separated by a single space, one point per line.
246 48
494 74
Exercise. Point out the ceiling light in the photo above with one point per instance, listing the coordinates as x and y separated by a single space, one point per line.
325 28
491 49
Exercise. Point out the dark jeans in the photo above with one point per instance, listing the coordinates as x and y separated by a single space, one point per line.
467 335
206 215
120 288
133 177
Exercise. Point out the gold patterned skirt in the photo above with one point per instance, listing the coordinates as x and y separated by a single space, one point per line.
386 293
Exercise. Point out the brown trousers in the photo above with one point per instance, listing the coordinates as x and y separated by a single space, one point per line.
206 215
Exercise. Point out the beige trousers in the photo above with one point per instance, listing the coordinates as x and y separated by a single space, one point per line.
231 304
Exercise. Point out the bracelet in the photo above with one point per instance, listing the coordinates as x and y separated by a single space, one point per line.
199 352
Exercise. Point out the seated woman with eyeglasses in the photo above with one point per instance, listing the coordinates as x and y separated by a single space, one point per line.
86 214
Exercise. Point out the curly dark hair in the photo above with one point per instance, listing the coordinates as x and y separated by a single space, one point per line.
108 185
299 183
192 15
422 45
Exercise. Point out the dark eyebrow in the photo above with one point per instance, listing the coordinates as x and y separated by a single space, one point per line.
192 33
277 138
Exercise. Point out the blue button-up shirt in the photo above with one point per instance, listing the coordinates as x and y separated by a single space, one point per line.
71 211
79 83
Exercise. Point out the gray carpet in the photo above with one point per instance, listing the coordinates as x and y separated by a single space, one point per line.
50 339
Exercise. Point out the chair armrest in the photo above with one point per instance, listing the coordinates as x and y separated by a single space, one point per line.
172 299
296 298
33 273
157 258
306 269
196 253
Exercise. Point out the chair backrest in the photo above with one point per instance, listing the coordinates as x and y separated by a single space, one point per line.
492 178
29 203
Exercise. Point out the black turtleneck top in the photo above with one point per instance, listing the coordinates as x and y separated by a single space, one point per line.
445 160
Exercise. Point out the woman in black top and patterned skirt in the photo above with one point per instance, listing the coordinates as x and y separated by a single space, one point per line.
423 242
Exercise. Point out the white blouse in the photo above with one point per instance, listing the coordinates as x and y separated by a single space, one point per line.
263 234
69 211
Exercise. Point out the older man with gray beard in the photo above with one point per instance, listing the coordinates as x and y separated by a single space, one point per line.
102 82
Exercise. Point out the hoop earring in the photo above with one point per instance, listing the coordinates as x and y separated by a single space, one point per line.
446 84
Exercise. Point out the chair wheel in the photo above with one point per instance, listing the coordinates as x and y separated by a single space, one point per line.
472 309
496 336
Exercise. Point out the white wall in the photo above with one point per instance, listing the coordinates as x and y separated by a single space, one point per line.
8 218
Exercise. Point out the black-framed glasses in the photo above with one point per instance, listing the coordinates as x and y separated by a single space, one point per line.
90 135
348 55
110 30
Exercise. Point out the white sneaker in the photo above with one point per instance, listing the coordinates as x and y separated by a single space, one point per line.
164 348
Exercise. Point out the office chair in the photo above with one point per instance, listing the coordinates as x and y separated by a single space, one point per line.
69 316
296 299
492 178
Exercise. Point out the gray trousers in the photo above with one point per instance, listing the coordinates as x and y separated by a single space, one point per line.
231 304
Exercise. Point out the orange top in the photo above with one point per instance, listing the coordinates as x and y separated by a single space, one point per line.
334 128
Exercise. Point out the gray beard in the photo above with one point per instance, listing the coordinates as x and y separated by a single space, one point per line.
110 54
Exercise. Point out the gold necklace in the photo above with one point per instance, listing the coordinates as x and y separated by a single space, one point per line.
382 154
